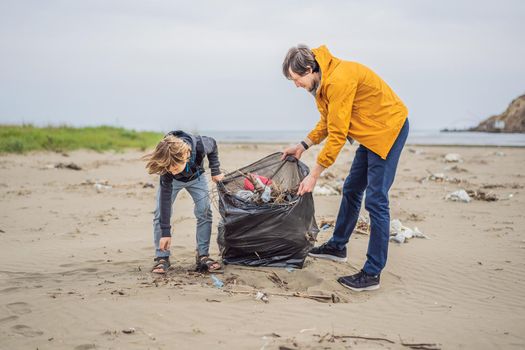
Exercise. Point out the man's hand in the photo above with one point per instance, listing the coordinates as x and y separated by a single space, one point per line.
295 151
165 243
308 183
217 178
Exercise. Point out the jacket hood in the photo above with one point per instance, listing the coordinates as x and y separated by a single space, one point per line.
327 62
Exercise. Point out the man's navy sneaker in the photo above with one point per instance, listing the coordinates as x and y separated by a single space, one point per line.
360 281
325 251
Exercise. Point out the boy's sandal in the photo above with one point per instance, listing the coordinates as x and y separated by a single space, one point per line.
161 266
207 264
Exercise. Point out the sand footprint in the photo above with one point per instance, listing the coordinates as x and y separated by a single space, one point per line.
8 319
26 331
19 308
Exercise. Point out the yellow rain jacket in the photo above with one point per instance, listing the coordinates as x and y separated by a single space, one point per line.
355 102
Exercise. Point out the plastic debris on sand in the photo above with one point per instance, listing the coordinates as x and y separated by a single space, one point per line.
453 158
459 196
400 233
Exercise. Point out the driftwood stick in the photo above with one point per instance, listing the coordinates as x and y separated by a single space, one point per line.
363 337
296 294
421 346
251 269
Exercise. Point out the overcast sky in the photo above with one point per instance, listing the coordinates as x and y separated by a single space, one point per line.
216 65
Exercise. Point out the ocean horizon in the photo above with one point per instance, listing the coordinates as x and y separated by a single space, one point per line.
415 137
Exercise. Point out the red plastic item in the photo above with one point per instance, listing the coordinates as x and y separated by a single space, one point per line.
249 186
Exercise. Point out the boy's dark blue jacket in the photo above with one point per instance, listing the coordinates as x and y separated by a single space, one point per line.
201 146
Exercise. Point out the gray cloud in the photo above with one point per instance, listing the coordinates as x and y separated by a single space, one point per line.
216 65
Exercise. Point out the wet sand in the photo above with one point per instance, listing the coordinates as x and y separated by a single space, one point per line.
75 262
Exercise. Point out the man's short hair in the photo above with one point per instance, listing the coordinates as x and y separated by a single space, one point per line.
298 59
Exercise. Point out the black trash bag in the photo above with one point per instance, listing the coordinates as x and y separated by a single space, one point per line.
278 233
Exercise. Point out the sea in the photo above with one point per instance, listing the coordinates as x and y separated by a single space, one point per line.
415 137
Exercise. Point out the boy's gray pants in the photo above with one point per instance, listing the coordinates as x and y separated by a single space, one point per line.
198 190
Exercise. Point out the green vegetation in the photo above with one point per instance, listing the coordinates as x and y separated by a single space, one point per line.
24 138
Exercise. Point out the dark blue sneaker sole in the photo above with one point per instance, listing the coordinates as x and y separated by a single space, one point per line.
328 257
374 287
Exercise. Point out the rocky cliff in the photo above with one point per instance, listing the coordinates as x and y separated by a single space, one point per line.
512 120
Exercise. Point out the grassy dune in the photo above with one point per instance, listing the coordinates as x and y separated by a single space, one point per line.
24 138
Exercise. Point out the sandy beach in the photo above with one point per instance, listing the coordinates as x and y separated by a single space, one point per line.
75 260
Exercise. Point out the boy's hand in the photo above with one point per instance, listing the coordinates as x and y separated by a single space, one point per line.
165 243
217 178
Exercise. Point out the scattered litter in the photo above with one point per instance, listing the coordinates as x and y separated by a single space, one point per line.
217 282
128 331
272 335
458 196
416 151
272 276
499 154
456 169
439 177
321 297
325 227
101 187
307 330
511 185
290 269
330 222
482 196
328 175
329 184
71 166
421 346
401 234
363 225
325 190
453 158
262 297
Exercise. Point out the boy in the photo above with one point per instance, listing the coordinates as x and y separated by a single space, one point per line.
178 159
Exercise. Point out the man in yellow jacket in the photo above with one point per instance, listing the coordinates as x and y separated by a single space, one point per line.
355 104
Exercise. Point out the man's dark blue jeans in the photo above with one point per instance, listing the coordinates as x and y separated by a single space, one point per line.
375 175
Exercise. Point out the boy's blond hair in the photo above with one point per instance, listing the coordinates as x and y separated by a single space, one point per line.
170 151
